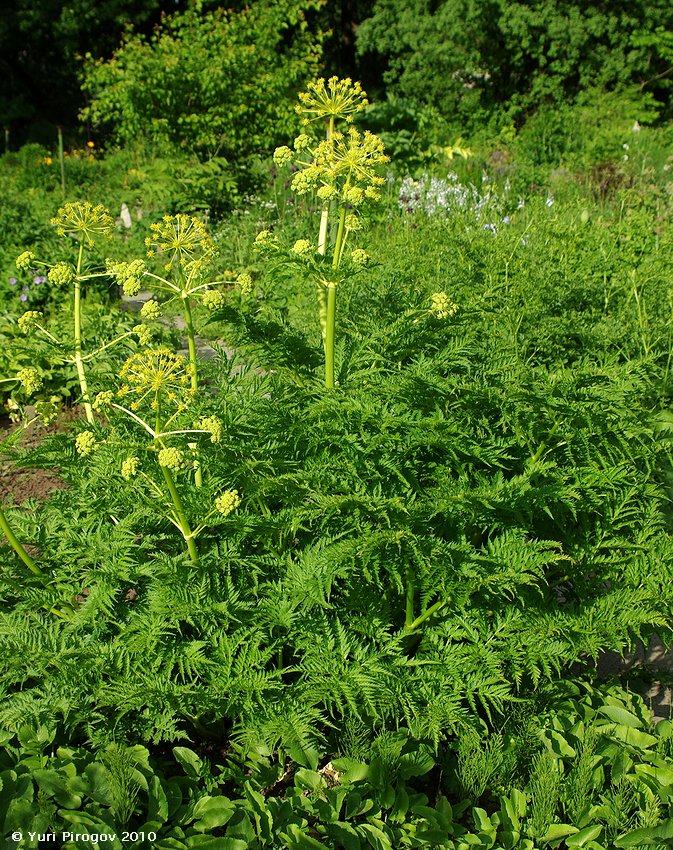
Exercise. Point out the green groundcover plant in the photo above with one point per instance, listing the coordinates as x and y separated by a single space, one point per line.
582 767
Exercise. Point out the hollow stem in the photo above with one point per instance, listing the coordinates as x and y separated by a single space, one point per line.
330 311
191 341
79 362
330 324
181 516
194 377
409 617
17 546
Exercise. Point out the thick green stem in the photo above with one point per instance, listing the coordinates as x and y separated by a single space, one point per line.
339 244
323 235
330 313
193 363
322 232
409 618
321 293
181 516
79 362
191 342
329 336
17 546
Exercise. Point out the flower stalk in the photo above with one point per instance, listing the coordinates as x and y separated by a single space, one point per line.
17 546
341 170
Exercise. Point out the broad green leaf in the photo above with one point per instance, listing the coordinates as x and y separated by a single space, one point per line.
662 775
634 737
55 785
297 840
211 812
376 838
344 834
351 769
559 830
558 744
621 716
190 762
157 808
589 833
417 763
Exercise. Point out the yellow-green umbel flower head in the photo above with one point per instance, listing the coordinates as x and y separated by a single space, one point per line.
227 502
171 458
29 319
130 468
30 380
213 426
150 310
103 400
25 261
85 443
155 377
62 274
442 306
332 99
244 281
183 240
213 299
127 275
84 220
354 159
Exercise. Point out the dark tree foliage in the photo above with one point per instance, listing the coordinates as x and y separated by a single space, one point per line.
466 56
40 41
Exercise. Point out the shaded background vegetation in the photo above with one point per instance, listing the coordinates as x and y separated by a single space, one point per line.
467 61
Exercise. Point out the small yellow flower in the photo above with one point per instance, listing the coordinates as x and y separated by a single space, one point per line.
245 282
130 468
442 306
25 261
282 156
213 426
103 400
302 247
336 98
360 257
143 333
171 458
213 299
302 142
85 443
155 376
127 275
327 193
150 311
47 411
62 274
227 502
29 319
183 239
30 380
353 221
83 219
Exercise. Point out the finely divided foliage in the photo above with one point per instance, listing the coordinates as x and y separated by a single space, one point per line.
442 525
